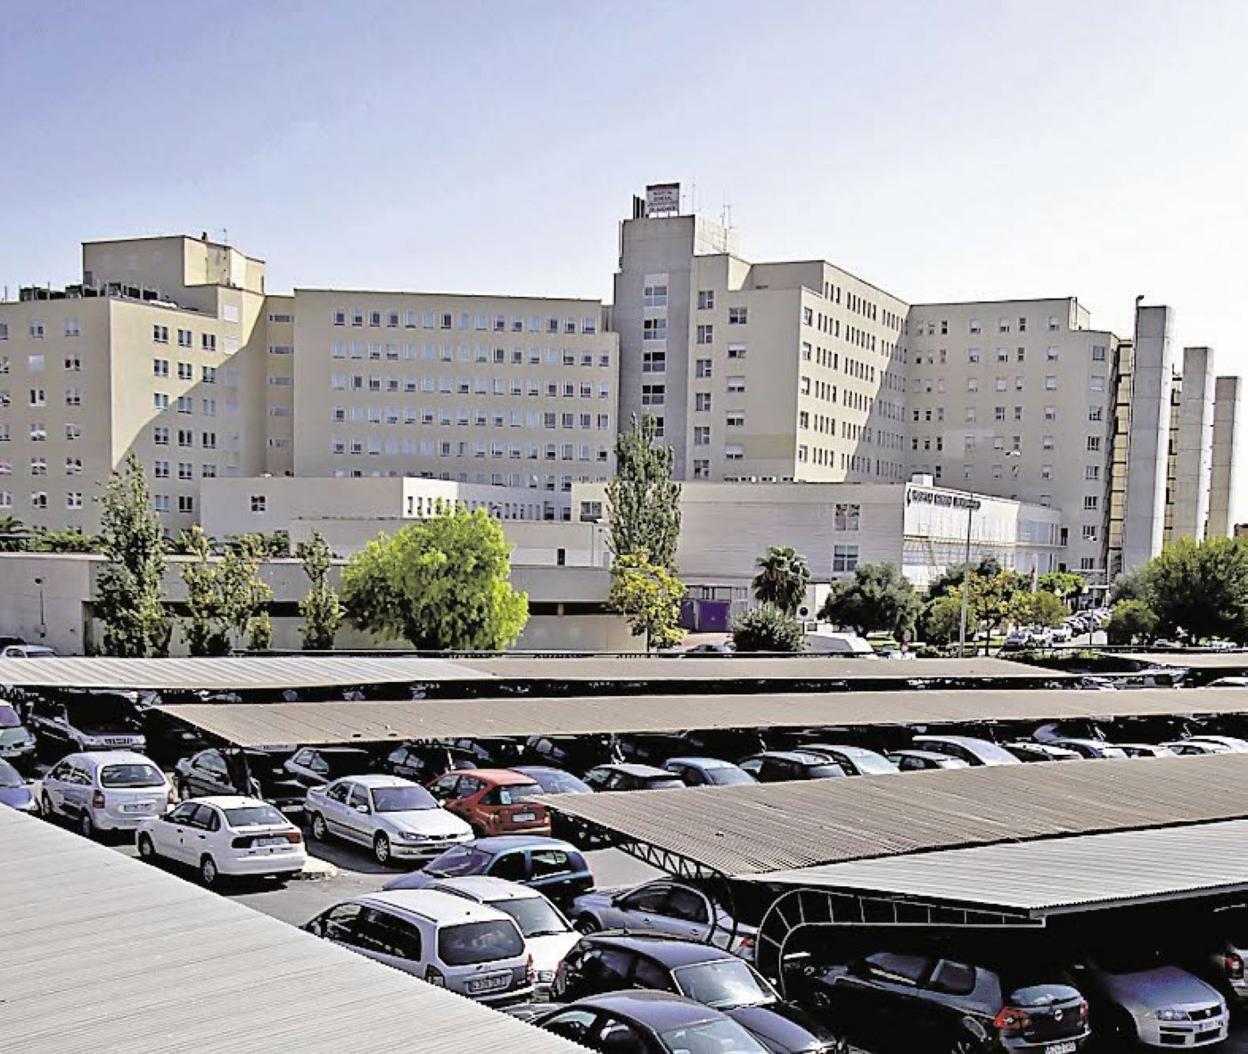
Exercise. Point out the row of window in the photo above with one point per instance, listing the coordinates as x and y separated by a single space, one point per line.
185 404
39 466
466 386
185 470
393 415
39 431
37 363
39 330
185 437
358 349
1004 325
39 499
375 446
186 338
186 371
447 320
1047 442
1096 383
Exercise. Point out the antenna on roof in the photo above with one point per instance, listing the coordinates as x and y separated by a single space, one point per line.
225 236
725 220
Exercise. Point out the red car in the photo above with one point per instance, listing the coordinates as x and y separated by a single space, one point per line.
493 801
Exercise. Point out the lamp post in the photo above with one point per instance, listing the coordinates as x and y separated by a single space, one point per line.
970 505
43 622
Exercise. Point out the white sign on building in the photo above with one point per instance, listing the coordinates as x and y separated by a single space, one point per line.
662 198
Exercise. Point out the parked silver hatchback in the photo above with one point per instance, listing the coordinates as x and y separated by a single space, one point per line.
106 790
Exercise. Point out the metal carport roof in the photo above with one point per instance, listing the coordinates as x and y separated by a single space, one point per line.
255 724
104 953
744 830
1195 660
1054 875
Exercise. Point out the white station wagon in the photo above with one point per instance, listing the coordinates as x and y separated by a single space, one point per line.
106 790
231 836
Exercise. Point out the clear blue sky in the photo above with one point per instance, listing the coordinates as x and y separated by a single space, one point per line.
942 150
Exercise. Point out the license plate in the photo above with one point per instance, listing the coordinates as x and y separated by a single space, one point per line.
1068 1047
261 842
489 984
141 806
524 817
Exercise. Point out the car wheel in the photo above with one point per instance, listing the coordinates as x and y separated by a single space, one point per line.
965 1044
208 873
586 924
45 806
147 851
319 831
381 849
86 826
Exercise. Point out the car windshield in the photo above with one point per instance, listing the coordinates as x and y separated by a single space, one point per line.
561 783
462 860
102 715
479 942
727 776
9 776
348 763
402 799
254 816
710 1037
871 763
518 792
535 916
724 983
131 775
661 782
8 717
819 772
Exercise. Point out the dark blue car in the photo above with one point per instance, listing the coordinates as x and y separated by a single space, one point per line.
14 790
555 867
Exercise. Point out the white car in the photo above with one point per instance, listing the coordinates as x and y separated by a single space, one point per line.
105 790
230 836
395 818
549 934
446 940
26 651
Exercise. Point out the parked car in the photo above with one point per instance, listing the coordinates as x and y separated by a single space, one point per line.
15 790
1092 749
775 766
555 868
1025 750
723 742
631 777
26 651
922 760
642 1022
103 722
1146 750
317 766
1219 952
973 751
395 818
1137 996
710 649
254 773
1196 747
422 762
572 753
1233 744
1228 682
17 742
854 761
650 748
449 941
546 930
663 906
934 1004
107 790
610 962
707 772
554 781
224 837
493 801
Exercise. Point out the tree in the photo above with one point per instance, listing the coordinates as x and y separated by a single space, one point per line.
225 599
642 500
1131 622
441 583
72 540
995 602
1201 588
1130 585
273 543
1043 608
768 629
14 538
988 567
648 595
128 590
878 597
320 608
1062 584
782 578
942 619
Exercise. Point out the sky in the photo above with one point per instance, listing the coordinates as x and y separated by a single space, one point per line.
944 151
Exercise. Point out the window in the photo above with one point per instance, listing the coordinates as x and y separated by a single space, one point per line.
1054 324
38 397
972 356
701 435
71 328
972 384
73 397
735 419
1096 382
702 402
186 372
259 503
186 470
844 558
734 453
1003 325
160 435
738 316
4 331
654 295
1050 384
186 438
38 466
1046 471
39 500
1050 354
36 330
1098 352
160 502
653 394
653 362
1091 502
1089 532
186 404
208 342
654 329
706 299
72 363
974 326
702 368
1092 472
701 469
846 517
160 334
1046 442
1094 443
1001 384
160 469
73 499
160 367
1050 413
736 351
736 384
706 333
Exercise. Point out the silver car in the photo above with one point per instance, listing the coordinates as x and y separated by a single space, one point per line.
395 818
663 906
106 790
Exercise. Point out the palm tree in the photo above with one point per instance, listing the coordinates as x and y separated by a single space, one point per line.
14 537
782 578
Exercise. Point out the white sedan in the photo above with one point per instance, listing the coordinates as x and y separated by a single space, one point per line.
225 836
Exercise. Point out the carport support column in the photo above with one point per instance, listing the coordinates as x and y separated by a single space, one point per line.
970 504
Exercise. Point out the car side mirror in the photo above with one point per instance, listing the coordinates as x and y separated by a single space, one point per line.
363 810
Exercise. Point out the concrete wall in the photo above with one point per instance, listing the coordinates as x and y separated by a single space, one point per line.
1144 522
1194 453
1227 460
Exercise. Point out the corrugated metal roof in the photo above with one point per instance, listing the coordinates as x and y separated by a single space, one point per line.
1053 875
252 724
103 953
779 826
236 673
1196 660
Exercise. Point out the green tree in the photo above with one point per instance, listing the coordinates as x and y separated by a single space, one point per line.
878 597
767 628
128 590
643 502
1062 584
942 619
1131 622
995 602
1043 608
320 608
272 543
1130 585
782 578
1201 588
224 598
648 595
14 537
72 540
988 567
441 583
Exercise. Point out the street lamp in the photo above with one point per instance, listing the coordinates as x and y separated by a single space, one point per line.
43 622
970 505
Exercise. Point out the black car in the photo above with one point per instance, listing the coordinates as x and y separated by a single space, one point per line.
422 762
257 773
723 742
924 1002
776 766
651 748
317 766
606 962
85 722
572 753
625 777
